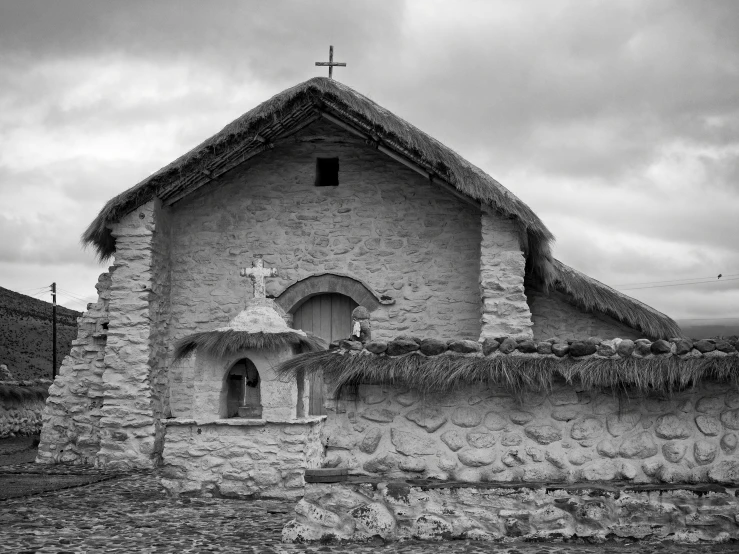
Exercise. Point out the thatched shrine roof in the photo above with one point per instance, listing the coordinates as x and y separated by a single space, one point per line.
433 365
289 111
258 327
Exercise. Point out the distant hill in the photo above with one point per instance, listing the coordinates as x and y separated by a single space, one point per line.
709 330
25 334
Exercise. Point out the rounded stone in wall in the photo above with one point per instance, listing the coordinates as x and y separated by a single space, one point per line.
428 417
621 423
520 417
480 439
730 419
371 440
607 448
565 413
453 439
710 405
674 451
512 458
704 452
671 426
639 446
732 399
477 457
729 443
495 421
466 417
415 465
708 425
543 434
511 439
588 428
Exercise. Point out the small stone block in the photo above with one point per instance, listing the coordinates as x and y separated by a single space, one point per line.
527 346
625 348
683 346
350 344
464 346
579 349
489 346
401 346
432 347
560 349
544 348
507 346
376 346
661 347
725 346
703 346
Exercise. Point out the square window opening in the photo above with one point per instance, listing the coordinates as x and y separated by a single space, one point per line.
327 172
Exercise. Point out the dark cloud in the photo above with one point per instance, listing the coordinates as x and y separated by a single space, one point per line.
270 38
617 121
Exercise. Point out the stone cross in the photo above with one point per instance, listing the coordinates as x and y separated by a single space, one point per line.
331 63
257 273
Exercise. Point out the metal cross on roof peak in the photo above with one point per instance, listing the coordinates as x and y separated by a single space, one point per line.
257 273
331 63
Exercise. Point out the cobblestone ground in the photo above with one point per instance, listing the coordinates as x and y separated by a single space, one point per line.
132 513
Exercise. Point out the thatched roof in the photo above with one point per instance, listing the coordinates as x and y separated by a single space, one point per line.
292 109
259 326
282 115
593 296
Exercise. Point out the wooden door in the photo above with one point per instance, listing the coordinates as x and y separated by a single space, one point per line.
328 316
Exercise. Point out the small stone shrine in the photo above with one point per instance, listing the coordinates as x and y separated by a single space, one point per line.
473 387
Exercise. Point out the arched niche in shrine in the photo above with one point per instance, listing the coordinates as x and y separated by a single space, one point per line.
243 390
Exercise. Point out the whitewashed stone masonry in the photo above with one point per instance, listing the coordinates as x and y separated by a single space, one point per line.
71 418
505 311
130 423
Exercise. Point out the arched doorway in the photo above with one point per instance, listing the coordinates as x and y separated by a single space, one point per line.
328 316
243 396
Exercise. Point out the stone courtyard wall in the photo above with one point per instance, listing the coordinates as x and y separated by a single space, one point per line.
71 418
554 316
383 225
21 407
496 512
240 457
477 434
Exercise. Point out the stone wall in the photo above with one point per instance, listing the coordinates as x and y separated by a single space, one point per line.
505 312
130 430
398 510
21 407
240 457
477 434
71 419
384 225
554 316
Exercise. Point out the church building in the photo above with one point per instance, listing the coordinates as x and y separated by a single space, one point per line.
313 217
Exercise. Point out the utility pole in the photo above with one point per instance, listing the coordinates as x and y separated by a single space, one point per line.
53 330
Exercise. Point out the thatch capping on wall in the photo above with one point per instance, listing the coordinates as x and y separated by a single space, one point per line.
15 393
433 365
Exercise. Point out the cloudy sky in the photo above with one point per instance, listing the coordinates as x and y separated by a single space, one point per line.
617 122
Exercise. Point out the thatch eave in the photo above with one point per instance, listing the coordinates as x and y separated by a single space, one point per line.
591 295
249 132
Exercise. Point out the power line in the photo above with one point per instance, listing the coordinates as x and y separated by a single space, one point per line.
682 284
35 288
706 318
676 280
